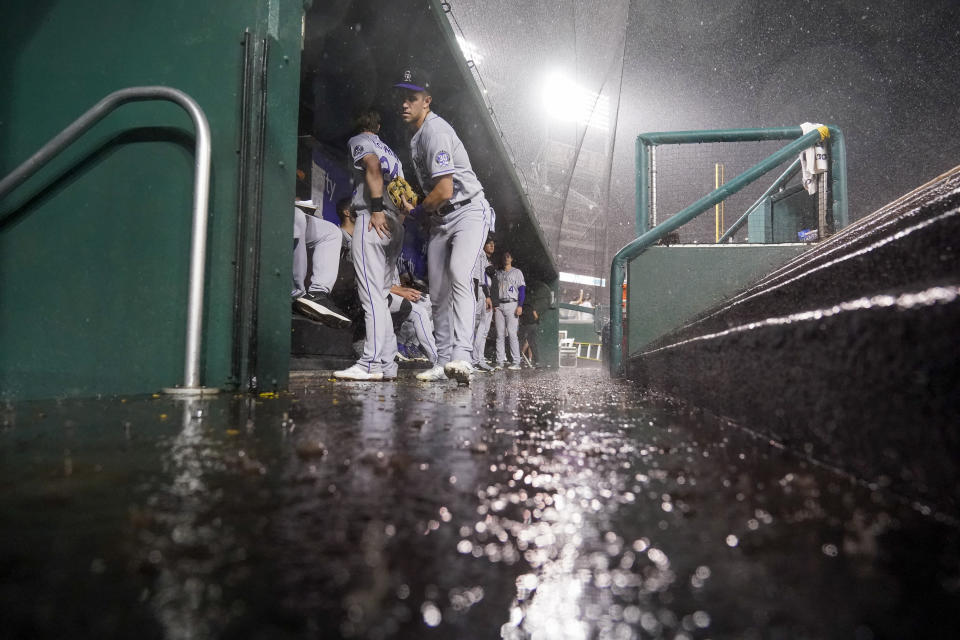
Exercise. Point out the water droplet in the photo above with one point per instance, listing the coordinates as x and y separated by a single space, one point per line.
431 614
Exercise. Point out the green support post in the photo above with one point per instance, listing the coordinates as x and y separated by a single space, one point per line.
643 186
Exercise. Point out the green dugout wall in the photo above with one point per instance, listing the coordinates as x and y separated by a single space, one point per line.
94 249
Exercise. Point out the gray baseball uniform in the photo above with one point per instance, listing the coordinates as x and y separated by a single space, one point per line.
322 240
483 315
374 257
456 238
419 318
506 321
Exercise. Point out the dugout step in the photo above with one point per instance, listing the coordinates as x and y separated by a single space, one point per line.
312 338
846 355
900 248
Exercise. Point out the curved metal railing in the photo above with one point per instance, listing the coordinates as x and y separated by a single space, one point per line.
201 196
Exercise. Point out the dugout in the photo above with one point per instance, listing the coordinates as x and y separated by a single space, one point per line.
353 54
96 244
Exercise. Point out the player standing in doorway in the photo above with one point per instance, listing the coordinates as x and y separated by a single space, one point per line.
512 293
486 301
377 240
459 218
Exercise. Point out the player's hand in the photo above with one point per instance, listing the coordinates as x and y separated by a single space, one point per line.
536 316
408 293
518 311
406 203
378 221
489 304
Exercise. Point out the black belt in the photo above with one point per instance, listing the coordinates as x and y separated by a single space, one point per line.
450 207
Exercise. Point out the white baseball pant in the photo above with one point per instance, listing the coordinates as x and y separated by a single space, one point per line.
455 241
373 260
481 329
507 323
420 319
322 239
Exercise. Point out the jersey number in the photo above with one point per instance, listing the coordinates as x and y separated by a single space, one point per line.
388 173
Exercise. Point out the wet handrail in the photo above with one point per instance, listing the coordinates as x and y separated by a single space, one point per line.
618 268
201 196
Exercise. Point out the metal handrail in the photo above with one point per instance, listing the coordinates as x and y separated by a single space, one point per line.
618 268
201 196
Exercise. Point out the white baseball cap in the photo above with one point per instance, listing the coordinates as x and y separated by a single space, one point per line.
306 204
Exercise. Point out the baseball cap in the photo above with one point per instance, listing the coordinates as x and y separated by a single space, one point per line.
414 80
306 204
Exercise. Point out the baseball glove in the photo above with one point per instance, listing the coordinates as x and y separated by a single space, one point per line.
400 188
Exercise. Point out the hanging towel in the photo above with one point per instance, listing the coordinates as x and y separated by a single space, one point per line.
810 164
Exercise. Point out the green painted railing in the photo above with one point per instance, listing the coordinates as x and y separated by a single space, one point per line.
648 237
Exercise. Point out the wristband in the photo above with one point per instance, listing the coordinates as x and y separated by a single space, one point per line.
376 204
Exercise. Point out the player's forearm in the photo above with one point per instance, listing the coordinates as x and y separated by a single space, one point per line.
439 195
374 179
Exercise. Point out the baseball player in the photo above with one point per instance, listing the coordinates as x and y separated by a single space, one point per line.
322 240
377 240
483 284
512 293
415 308
459 218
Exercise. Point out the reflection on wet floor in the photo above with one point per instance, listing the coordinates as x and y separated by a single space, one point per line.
547 505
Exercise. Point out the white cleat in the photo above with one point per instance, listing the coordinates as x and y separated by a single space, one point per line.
513 367
356 372
459 370
433 374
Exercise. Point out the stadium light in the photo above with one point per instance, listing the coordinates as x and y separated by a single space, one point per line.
566 101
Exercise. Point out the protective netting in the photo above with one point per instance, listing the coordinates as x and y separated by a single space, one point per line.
687 172
888 68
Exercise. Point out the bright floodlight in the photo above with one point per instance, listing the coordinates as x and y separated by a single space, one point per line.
566 101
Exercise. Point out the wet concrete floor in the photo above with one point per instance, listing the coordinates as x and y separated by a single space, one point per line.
553 505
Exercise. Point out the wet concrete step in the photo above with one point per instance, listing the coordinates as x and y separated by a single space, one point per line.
312 338
848 355
907 246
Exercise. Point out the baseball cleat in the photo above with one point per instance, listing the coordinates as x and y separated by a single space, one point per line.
513 367
459 370
483 366
317 306
432 375
356 372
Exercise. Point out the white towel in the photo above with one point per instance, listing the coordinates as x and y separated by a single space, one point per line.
812 161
